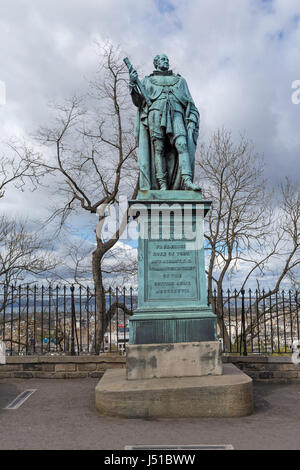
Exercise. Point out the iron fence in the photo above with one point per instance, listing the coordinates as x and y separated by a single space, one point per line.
257 322
63 320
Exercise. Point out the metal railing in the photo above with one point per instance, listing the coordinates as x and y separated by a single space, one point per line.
61 320
64 320
258 322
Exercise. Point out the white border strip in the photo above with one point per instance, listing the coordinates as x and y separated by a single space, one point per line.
182 447
2 353
16 403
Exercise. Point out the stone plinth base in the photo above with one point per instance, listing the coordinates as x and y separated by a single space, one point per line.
227 395
175 327
150 361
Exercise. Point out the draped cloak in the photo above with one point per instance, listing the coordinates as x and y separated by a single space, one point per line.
168 93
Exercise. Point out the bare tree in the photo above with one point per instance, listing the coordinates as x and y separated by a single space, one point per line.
94 161
290 224
286 259
19 165
22 251
246 231
24 254
119 265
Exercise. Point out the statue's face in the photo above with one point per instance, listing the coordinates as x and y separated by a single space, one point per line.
163 63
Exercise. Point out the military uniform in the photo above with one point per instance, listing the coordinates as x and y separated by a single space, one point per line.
166 119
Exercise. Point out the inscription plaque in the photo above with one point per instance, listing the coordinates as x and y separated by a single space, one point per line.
172 271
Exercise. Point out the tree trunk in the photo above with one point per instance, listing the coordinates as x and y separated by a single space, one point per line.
99 298
217 308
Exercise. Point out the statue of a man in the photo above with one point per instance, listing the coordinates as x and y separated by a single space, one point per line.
167 128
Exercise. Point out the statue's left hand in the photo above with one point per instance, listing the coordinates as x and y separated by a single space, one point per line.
193 130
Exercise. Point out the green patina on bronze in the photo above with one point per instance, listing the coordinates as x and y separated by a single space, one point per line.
172 300
167 128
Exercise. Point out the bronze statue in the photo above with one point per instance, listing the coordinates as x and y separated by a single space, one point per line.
167 128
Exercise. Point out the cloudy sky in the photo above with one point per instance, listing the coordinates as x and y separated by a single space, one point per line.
239 57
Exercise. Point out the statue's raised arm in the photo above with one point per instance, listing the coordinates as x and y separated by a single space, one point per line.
134 80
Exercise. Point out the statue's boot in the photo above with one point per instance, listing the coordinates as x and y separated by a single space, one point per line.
188 184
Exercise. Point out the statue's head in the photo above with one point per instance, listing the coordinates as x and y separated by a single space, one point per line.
161 62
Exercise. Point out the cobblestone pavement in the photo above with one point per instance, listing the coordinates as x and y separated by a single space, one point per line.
61 414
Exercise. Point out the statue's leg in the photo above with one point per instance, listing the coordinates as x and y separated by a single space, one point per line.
158 144
185 163
183 155
160 163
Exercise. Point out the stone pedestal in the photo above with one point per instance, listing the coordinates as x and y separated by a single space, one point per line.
173 366
227 395
172 297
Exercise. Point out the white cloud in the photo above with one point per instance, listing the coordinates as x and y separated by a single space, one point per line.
239 58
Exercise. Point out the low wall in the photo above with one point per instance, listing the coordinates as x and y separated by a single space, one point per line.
273 369
59 367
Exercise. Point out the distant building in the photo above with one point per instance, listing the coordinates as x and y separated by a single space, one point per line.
116 340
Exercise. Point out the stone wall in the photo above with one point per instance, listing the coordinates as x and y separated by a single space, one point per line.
274 369
59 367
